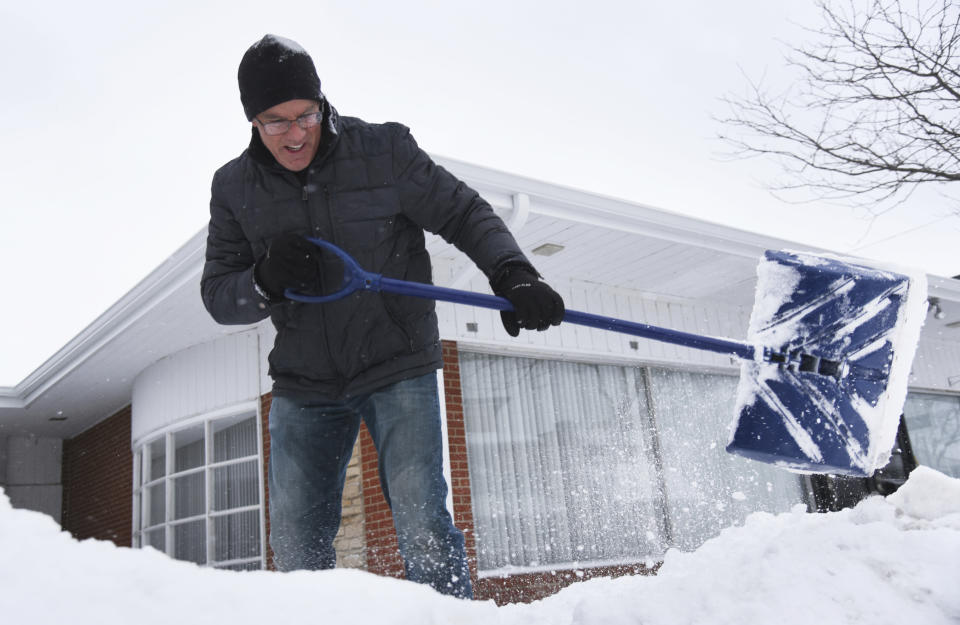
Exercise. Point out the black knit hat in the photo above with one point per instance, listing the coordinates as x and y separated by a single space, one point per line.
275 70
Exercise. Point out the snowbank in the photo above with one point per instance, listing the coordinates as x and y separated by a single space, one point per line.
890 560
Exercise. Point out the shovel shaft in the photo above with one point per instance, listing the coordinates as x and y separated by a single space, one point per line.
663 335
358 279
643 330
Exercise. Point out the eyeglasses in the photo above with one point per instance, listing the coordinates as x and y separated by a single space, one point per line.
308 120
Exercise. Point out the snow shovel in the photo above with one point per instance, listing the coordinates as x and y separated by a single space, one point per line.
823 371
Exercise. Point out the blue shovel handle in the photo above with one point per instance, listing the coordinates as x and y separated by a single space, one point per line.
357 279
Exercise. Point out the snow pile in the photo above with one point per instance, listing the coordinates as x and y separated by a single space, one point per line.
890 560
885 561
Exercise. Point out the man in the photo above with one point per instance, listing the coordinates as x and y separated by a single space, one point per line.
373 357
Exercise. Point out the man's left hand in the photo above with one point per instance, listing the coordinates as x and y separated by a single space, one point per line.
535 305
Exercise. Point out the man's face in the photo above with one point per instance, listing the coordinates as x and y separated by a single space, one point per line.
295 148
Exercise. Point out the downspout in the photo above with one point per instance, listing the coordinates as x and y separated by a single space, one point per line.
521 211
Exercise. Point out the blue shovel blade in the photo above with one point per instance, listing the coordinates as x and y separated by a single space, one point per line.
845 337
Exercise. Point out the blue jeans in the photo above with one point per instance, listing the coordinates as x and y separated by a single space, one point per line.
310 445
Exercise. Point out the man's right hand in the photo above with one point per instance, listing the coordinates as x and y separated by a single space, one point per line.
291 262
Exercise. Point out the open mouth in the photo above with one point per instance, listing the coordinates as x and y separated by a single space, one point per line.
294 148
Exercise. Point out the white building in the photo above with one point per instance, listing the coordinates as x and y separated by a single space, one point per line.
572 453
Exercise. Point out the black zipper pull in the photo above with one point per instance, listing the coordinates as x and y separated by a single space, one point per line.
303 196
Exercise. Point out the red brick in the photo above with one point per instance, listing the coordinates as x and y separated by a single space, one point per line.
98 482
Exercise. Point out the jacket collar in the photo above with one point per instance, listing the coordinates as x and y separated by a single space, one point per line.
328 139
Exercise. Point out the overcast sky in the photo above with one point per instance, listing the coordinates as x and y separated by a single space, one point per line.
116 114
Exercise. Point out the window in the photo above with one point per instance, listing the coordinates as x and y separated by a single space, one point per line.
933 425
198 493
591 465
705 488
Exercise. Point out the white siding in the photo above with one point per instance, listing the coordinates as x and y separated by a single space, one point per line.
936 366
195 381
570 340
45 498
267 334
32 460
3 460
31 473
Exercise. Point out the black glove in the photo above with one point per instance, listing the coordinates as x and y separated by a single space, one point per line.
291 262
535 305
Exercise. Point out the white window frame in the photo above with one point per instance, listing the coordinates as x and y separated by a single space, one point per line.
209 515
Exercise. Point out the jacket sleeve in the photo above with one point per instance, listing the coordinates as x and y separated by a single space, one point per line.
227 283
439 202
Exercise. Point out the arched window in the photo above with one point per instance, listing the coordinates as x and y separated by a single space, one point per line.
198 491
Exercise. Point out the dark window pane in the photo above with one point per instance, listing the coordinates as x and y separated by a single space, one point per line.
156 538
190 542
155 502
188 448
237 535
155 464
234 438
236 485
933 425
188 496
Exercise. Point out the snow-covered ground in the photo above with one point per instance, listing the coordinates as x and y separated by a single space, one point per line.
893 560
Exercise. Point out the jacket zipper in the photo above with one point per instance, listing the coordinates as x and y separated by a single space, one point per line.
305 196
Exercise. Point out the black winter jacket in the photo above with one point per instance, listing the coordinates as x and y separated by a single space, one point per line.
372 191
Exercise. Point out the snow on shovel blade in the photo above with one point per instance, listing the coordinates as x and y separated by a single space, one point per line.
840 339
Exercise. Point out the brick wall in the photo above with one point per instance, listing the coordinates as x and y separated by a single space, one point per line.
265 401
98 482
457 443
527 587
383 553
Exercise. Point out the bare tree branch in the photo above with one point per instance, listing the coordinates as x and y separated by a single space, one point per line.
877 110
